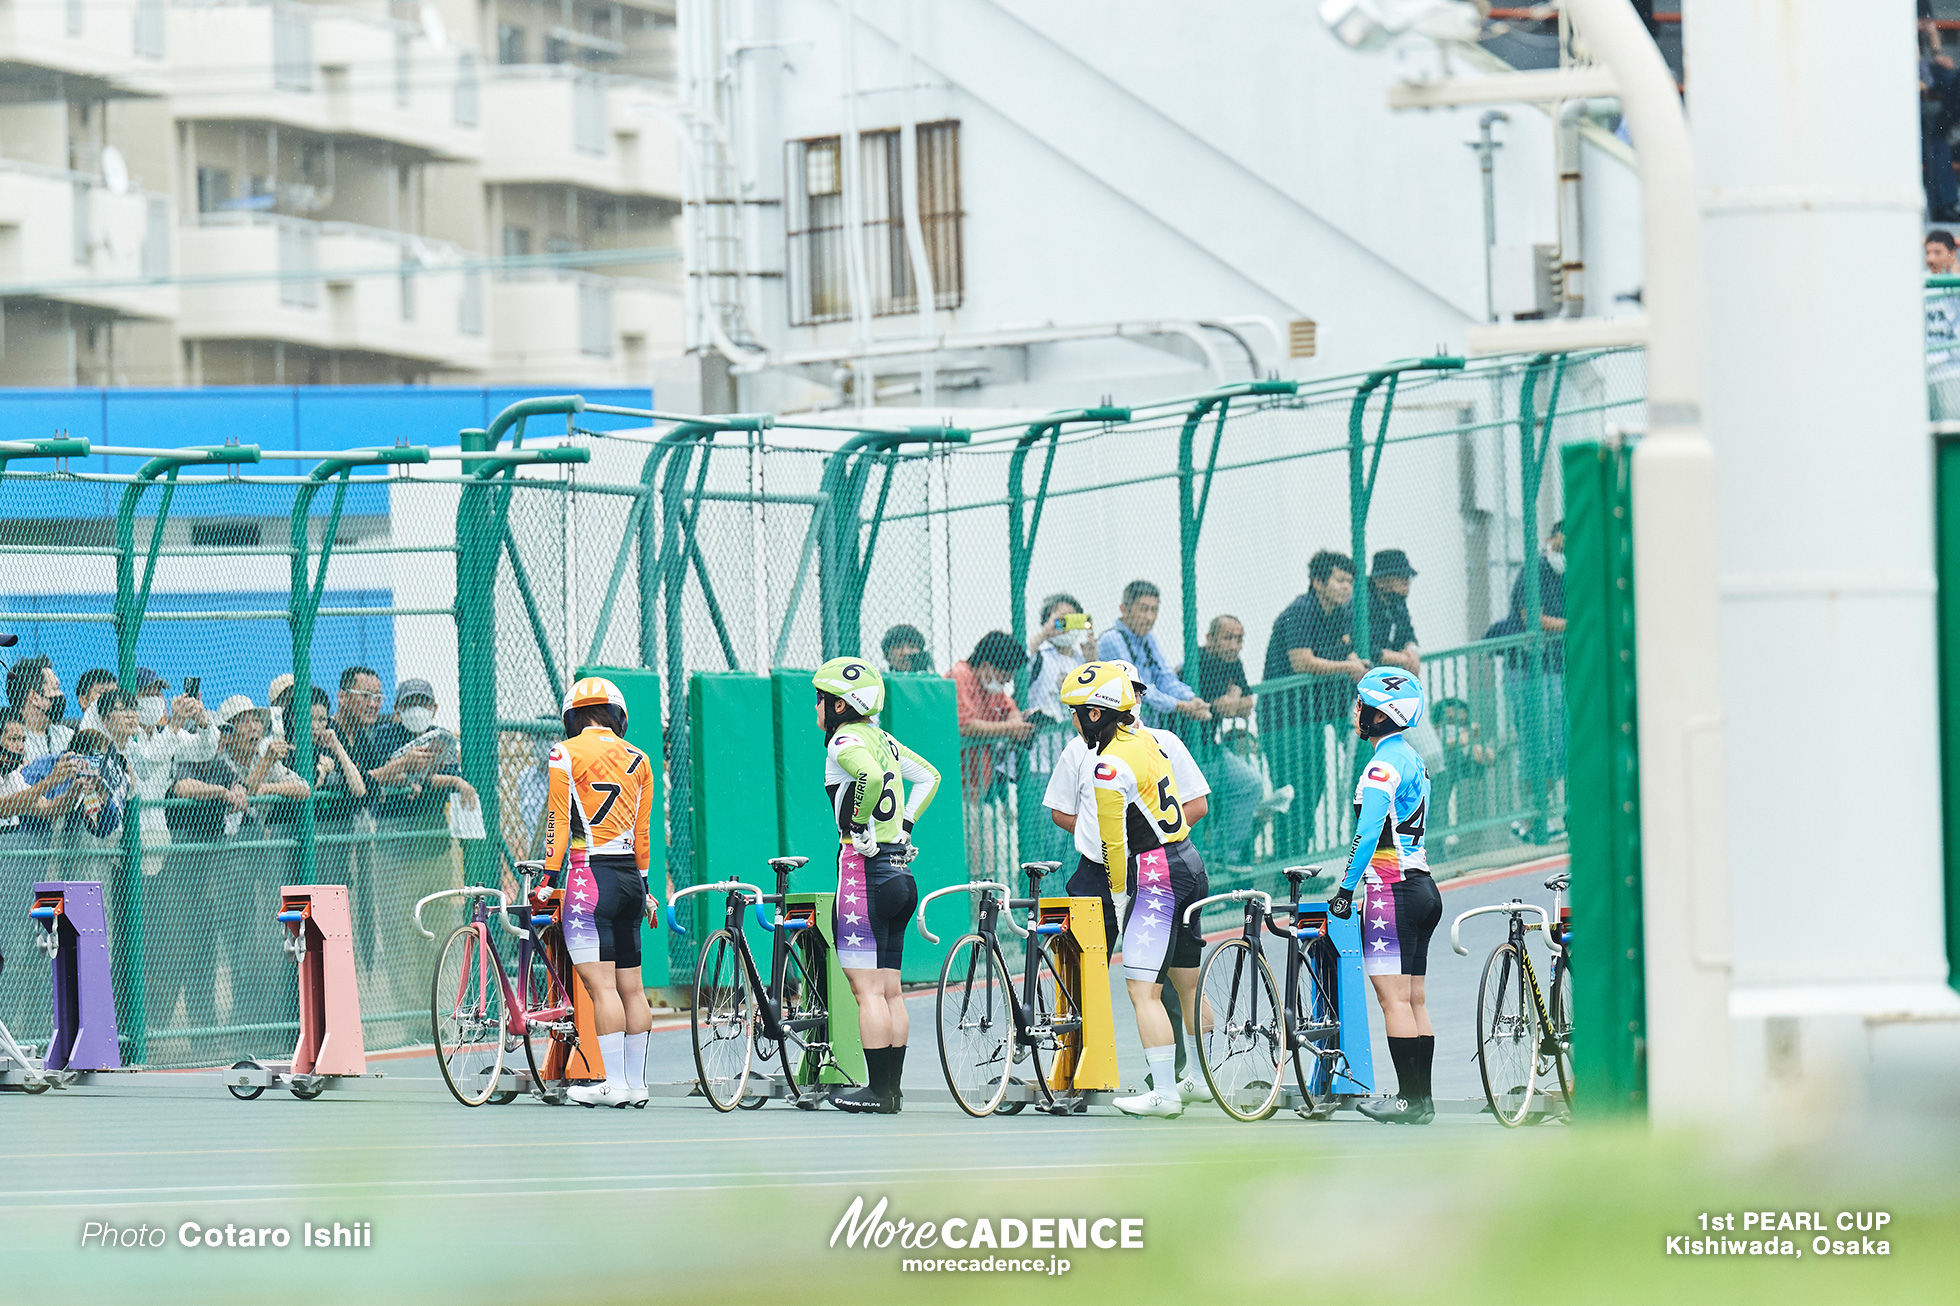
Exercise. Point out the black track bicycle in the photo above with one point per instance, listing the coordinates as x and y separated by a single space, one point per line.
1523 1045
1251 1023
738 1020
988 1029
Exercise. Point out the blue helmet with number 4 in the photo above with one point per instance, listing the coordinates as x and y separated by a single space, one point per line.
1394 693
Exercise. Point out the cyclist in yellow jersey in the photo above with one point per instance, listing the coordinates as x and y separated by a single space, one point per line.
1148 855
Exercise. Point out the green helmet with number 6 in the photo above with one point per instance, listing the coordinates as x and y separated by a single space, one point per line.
855 681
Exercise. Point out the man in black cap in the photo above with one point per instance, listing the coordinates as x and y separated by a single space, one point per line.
1393 636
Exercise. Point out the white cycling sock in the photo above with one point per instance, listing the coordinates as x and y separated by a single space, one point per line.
636 1061
1163 1067
612 1048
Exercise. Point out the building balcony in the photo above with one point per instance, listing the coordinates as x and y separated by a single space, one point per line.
113 49
334 71
579 328
332 286
557 123
63 232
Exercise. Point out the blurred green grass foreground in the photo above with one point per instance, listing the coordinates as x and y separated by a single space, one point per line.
1282 1211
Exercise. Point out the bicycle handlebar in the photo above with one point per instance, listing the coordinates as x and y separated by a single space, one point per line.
1236 895
778 924
973 886
473 891
1509 908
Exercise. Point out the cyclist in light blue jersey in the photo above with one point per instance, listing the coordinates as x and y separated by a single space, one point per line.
1402 905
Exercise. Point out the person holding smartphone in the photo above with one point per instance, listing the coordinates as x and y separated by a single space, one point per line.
1063 639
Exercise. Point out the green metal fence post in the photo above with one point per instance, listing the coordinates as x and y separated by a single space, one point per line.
1023 526
1362 472
127 964
303 595
1192 501
1603 811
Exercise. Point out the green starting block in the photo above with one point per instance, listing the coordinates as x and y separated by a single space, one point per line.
846 1045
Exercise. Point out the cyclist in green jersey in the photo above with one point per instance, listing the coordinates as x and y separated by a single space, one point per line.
866 772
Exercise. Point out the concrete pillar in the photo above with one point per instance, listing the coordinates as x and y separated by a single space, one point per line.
1806 140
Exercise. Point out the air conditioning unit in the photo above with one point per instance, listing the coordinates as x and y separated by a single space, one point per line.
1301 341
1526 281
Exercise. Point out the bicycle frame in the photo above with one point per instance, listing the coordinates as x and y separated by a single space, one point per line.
1301 1035
530 943
742 894
783 931
1516 908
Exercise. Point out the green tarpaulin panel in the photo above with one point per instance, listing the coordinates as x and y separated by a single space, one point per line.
921 711
641 689
805 827
1609 1016
731 736
1947 552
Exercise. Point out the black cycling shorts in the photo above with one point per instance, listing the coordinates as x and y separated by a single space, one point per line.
620 909
876 927
1156 937
1396 922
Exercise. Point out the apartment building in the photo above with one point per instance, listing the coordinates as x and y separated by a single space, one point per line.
257 191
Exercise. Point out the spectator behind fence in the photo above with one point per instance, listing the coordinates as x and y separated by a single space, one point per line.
1134 640
1057 649
230 878
414 854
1942 331
1535 677
355 723
1223 745
90 686
905 651
1391 633
19 864
983 692
34 691
86 803
1313 636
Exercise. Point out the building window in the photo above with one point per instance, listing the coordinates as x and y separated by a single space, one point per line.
510 43
820 288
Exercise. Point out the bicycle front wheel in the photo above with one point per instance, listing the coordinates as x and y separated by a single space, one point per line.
466 1015
1508 1035
1240 1043
1562 1027
723 1021
976 1026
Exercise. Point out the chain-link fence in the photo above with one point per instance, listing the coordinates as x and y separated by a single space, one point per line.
1250 550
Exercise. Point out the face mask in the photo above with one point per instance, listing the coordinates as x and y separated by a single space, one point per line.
994 686
1557 559
9 761
58 708
151 710
417 719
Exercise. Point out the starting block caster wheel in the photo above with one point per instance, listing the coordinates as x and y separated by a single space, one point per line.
307 1092
244 1094
1014 1108
755 1103
504 1098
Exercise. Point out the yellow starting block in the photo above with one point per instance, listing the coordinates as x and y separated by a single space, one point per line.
1083 960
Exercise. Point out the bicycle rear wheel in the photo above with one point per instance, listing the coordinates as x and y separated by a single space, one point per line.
1054 1023
1317 1007
1562 1027
723 1021
1508 1035
544 989
805 1011
466 1015
976 1026
1242 1051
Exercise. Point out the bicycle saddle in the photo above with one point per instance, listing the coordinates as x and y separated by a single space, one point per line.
1299 873
1560 882
528 868
786 863
1036 870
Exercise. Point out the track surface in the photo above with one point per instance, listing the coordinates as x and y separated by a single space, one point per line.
403 1160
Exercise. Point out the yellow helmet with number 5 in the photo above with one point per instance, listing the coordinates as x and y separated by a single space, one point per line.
1105 685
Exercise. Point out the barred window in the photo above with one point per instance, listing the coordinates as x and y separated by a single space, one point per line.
820 286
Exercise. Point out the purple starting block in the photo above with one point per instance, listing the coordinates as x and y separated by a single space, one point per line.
77 944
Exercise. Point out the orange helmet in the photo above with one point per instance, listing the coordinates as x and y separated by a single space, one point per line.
596 691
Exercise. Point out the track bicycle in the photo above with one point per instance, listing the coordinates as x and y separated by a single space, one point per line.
986 1028
33 1079
1256 1023
737 1019
1520 1042
478 1015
